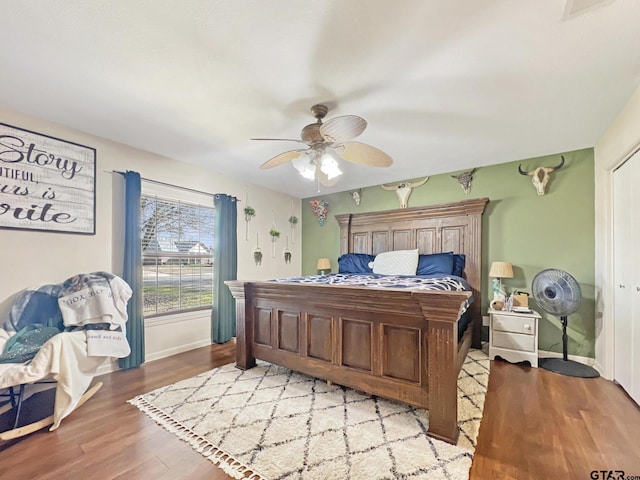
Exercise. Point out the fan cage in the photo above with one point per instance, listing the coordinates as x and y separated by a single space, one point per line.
556 292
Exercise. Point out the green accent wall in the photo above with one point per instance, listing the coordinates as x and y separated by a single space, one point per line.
532 232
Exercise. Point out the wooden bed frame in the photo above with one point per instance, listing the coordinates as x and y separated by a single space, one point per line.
394 343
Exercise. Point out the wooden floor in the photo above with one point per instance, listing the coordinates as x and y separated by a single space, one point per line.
537 425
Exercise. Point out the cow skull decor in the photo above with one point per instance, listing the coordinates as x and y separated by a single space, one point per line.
356 195
464 179
403 190
540 176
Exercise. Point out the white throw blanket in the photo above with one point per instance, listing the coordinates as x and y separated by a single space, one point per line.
98 297
62 358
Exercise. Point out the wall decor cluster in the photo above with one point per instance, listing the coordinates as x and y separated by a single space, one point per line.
320 210
274 233
46 183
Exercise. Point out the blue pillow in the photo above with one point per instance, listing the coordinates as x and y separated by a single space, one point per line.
355 263
435 263
459 261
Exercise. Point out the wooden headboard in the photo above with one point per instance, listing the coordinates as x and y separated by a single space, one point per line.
455 227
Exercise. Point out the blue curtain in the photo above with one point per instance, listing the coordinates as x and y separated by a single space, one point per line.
132 272
225 263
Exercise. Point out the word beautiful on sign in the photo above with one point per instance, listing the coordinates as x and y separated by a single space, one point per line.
46 183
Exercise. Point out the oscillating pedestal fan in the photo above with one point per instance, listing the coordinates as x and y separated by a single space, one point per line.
558 293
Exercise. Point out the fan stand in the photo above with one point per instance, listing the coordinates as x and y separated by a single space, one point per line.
563 365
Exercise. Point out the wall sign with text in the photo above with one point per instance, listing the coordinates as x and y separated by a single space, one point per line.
46 183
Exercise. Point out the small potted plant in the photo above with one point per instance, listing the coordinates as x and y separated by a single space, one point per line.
249 212
287 253
275 234
257 252
293 221
257 256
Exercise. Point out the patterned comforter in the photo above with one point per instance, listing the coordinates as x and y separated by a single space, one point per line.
436 282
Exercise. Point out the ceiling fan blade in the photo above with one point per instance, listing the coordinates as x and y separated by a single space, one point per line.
342 129
281 158
364 154
280 139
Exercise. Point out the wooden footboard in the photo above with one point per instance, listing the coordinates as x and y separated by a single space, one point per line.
398 344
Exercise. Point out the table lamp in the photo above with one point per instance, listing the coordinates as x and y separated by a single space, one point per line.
324 266
501 270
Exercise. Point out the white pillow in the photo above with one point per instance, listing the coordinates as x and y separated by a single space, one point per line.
399 262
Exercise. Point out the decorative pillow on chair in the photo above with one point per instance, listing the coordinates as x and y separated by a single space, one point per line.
355 263
435 263
399 262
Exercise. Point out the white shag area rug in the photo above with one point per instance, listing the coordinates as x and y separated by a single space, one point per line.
272 423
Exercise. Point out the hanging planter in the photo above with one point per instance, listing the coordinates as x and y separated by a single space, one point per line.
257 253
293 221
320 210
287 253
275 234
249 212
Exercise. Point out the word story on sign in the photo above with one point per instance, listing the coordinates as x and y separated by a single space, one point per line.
46 183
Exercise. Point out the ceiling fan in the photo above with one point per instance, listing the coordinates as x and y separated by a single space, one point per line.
327 143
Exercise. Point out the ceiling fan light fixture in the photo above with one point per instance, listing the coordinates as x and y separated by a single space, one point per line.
330 167
305 166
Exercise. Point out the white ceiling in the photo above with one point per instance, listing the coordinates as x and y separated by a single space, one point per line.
445 85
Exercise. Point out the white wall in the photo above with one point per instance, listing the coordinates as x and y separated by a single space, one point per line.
615 146
33 258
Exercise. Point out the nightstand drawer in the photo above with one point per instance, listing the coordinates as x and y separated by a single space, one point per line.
514 341
507 323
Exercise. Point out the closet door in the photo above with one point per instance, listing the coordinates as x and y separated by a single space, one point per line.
627 285
634 267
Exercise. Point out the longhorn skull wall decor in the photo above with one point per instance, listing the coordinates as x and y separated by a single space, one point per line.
540 176
464 179
403 190
356 195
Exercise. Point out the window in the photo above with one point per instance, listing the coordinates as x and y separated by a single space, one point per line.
177 255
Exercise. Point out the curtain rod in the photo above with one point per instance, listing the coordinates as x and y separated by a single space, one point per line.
171 185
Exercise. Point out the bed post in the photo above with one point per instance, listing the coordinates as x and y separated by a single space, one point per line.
441 337
244 329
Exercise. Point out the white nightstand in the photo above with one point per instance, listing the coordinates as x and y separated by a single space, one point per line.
514 336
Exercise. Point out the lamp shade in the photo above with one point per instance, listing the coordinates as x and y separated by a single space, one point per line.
501 270
324 264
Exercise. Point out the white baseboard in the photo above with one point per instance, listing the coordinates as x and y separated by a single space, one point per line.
576 358
109 367
175 350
